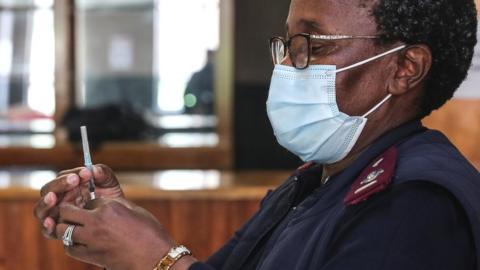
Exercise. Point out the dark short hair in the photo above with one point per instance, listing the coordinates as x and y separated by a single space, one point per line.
447 27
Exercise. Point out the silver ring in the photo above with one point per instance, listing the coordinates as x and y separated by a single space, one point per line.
67 236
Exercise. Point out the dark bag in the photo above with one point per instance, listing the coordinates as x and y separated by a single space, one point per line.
112 122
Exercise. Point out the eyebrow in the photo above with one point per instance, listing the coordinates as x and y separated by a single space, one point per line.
312 26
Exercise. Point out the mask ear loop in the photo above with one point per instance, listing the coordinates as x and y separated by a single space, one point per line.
371 59
377 106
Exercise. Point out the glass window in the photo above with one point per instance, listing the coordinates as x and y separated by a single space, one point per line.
155 56
27 50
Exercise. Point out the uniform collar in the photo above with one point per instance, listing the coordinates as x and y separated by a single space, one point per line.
390 138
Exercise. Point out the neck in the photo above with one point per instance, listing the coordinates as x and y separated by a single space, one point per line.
366 139
377 125
334 168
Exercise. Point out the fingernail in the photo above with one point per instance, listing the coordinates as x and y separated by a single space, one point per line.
72 179
48 198
97 169
45 224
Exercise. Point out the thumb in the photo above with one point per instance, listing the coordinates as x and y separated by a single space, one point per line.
102 175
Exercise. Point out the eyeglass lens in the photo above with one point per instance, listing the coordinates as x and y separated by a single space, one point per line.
298 49
278 51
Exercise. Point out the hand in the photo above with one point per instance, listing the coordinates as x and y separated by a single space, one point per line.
115 234
71 186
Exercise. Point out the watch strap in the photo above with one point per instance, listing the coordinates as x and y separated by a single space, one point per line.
175 254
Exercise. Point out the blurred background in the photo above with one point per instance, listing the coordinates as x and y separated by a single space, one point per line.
173 94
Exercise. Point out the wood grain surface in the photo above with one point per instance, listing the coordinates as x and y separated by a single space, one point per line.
201 225
203 220
460 121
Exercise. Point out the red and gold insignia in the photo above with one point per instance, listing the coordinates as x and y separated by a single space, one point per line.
374 179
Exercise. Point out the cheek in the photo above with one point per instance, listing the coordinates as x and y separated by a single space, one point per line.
358 89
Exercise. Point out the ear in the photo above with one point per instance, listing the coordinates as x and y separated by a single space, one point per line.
413 66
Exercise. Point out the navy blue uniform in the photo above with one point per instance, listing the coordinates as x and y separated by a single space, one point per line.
410 201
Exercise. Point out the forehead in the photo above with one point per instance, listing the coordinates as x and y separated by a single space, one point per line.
351 17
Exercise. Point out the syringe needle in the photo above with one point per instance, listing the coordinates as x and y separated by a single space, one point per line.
88 161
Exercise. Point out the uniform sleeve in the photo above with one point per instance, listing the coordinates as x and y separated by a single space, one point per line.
414 225
218 259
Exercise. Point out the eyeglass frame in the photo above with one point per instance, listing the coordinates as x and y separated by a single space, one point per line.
309 37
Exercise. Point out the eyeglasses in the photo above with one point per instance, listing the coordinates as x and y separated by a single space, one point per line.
300 46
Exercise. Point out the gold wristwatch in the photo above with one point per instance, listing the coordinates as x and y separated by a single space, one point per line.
175 254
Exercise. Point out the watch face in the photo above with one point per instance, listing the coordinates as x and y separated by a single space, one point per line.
174 253
177 251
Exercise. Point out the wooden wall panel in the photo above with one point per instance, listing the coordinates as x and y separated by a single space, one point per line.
202 225
460 121
3 236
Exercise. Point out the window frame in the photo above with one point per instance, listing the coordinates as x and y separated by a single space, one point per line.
130 155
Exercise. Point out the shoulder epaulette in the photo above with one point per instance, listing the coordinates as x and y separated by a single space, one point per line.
374 178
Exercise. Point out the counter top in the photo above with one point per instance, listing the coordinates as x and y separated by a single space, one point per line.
174 184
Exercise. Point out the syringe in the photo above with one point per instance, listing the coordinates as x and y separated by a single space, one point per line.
88 161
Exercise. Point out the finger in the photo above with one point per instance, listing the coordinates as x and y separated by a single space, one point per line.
48 228
43 206
102 174
71 214
72 195
79 235
44 211
85 175
78 196
61 184
70 171
81 201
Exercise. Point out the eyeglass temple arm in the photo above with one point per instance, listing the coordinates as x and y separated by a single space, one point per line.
336 37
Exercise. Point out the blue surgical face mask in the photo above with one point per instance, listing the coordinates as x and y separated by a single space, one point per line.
304 114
